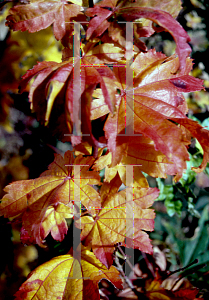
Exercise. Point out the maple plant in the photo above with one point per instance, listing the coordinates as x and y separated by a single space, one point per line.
124 125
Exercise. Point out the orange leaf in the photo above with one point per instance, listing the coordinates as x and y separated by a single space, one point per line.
150 161
110 172
36 198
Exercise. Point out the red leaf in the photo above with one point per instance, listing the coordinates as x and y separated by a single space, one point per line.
165 20
157 100
158 12
102 15
55 82
189 294
40 14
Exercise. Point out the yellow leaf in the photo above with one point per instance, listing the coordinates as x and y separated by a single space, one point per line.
65 277
54 89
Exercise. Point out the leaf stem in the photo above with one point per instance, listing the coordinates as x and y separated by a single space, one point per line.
125 258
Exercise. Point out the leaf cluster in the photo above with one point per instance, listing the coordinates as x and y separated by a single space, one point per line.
126 126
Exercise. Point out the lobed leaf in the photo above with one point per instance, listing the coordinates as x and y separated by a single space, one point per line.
158 12
39 15
158 106
46 201
36 224
166 21
66 277
108 225
54 83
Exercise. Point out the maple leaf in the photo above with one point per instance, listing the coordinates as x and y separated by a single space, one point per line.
103 53
39 15
150 161
40 200
108 225
68 278
36 224
157 100
143 28
110 172
157 11
56 80
173 7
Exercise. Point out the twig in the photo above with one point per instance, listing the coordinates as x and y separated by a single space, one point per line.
181 269
125 258
120 269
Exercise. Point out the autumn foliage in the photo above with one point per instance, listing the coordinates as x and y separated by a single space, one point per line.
158 146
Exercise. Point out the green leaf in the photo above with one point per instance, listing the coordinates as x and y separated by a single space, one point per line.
173 207
177 244
191 208
197 245
166 191
205 123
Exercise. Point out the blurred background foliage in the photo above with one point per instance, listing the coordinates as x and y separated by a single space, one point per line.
27 148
